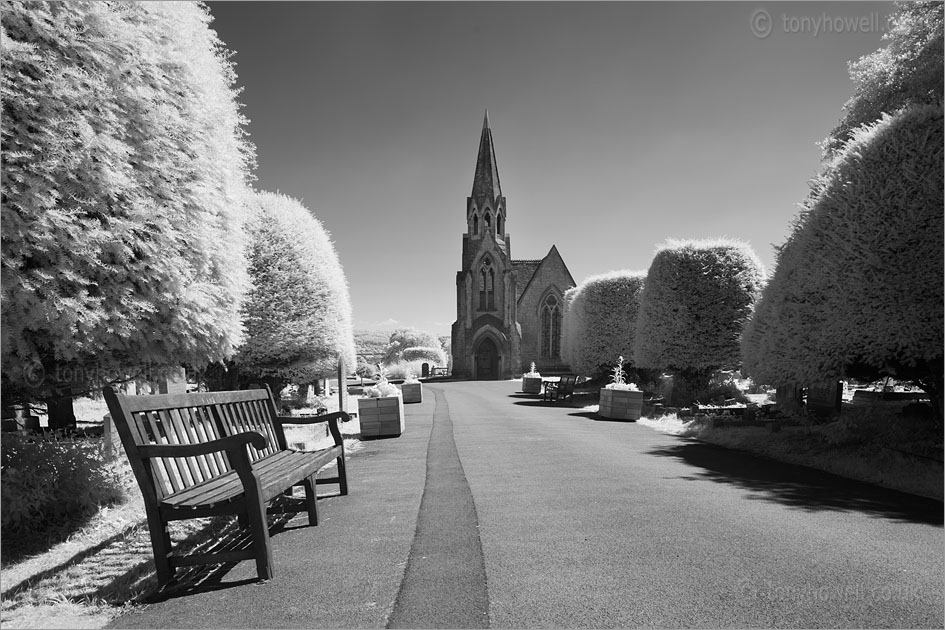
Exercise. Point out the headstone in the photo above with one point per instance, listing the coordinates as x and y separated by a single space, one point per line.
112 439
173 382
788 398
425 370
824 399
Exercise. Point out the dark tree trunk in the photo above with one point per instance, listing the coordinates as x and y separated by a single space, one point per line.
60 413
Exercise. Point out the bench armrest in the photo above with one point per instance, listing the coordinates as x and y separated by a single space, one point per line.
331 418
229 443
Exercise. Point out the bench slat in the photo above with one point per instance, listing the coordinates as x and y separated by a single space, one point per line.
275 473
186 466
176 401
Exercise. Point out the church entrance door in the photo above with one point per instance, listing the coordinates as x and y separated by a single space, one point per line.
487 361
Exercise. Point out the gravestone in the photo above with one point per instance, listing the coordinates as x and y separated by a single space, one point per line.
788 398
174 381
824 399
425 370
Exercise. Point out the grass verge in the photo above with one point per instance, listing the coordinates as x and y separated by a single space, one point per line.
870 446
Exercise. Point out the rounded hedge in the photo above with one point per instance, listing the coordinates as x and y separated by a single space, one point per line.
858 289
600 320
694 305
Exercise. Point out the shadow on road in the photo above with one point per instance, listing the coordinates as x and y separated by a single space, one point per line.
798 486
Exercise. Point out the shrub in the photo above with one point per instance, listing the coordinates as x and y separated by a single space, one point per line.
48 482
401 369
600 320
403 338
436 356
858 287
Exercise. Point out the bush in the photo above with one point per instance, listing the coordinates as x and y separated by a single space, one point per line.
48 482
400 369
434 356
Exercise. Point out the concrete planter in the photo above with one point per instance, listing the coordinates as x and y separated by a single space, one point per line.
620 404
381 417
412 392
531 384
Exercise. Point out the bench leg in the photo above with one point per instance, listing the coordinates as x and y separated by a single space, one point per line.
311 499
259 528
342 476
161 547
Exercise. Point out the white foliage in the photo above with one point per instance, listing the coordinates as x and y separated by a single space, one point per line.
859 281
124 168
298 314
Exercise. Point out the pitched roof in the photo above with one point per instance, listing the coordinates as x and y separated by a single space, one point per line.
486 180
525 271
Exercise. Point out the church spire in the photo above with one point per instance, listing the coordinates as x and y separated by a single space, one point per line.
486 180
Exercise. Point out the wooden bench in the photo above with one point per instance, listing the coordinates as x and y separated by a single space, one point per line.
220 453
562 389
439 371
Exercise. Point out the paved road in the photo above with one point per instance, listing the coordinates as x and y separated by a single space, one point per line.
493 503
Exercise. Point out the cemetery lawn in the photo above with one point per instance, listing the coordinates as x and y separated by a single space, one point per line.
876 446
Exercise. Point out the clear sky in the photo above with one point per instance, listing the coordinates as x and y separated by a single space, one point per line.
617 125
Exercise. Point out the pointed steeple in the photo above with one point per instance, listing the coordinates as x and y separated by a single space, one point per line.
486 180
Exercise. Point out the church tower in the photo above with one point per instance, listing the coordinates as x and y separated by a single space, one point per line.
485 335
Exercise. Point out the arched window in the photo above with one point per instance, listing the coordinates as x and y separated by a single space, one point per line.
488 221
486 285
475 224
498 223
551 328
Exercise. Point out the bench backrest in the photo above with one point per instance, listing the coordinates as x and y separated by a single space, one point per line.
189 419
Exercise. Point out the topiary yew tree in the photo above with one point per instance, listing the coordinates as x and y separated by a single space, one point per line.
601 319
124 164
858 290
298 313
693 308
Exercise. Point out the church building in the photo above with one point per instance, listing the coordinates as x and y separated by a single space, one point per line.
508 312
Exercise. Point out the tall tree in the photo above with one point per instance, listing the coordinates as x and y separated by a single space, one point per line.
696 300
298 312
907 71
124 165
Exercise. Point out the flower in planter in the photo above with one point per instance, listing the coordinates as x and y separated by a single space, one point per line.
382 388
620 378
532 373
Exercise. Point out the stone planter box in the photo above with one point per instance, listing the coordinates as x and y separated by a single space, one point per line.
412 392
381 417
620 404
531 384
